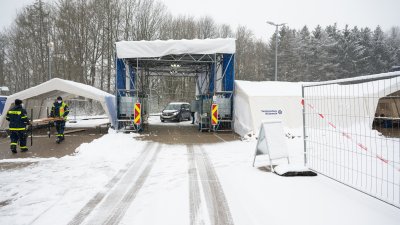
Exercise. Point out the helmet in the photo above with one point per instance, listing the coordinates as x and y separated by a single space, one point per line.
59 98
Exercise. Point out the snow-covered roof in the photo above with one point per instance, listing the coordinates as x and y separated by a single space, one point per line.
57 84
378 85
269 88
158 48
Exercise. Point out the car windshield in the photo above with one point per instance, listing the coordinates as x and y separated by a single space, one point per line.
173 107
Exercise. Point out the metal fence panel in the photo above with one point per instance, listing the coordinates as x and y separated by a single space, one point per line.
352 133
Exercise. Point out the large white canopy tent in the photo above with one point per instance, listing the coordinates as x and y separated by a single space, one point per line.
42 96
269 100
163 53
209 61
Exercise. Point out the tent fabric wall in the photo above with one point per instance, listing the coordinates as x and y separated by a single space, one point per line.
212 79
132 73
229 70
46 92
121 80
268 100
243 121
258 101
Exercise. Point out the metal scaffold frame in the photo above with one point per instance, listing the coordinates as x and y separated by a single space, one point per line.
214 75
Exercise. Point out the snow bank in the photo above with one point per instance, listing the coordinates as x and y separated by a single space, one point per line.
60 187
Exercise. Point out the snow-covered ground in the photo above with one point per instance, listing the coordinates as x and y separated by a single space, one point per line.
360 157
54 191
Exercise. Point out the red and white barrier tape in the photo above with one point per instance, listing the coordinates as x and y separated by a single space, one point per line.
348 136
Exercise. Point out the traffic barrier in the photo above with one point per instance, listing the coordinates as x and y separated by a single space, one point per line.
214 114
137 115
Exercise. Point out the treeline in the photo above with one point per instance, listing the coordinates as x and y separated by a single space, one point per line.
74 39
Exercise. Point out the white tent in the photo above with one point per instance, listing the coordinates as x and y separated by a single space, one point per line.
359 96
268 100
351 97
42 96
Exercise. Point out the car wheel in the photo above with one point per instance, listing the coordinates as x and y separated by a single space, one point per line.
162 121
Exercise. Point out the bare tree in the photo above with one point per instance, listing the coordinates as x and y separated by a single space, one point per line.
225 31
148 20
206 28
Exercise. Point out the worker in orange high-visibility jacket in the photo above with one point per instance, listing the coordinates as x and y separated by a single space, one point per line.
60 111
18 122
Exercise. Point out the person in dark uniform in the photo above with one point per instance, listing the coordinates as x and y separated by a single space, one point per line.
60 111
193 110
18 122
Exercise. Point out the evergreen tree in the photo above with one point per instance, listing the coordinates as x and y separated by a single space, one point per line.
393 42
289 58
379 53
365 40
305 54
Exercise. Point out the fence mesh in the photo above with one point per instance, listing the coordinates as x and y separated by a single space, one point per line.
352 133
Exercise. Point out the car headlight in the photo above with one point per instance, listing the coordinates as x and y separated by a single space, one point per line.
175 113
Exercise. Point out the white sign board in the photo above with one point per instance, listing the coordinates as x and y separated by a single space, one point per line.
272 141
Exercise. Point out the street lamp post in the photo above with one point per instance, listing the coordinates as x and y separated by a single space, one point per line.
276 46
50 45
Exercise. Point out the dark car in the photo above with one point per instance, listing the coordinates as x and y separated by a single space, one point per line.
176 111
394 68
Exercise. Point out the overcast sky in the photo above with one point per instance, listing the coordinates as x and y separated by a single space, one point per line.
255 13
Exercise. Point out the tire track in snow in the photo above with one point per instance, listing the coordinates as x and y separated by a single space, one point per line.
130 170
100 205
121 207
194 190
217 205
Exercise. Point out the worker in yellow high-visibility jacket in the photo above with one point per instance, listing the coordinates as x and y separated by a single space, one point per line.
60 110
18 121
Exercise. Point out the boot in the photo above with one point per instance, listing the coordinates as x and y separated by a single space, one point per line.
14 149
58 140
24 149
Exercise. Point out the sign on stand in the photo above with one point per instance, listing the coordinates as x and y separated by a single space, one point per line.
271 142
137 114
